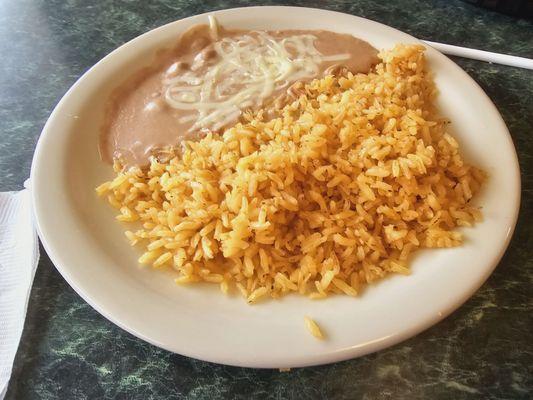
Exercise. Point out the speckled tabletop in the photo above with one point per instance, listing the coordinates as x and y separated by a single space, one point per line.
68 351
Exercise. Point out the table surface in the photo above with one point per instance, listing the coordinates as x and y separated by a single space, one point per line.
68 351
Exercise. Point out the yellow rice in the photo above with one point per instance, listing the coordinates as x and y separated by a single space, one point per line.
313 328
335 193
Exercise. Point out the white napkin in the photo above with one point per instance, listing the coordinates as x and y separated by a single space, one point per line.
19 254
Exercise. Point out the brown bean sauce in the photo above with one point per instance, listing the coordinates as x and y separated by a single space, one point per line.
140 122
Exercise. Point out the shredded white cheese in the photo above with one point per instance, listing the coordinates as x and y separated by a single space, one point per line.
249 69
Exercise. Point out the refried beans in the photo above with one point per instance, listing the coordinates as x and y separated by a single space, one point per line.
211 76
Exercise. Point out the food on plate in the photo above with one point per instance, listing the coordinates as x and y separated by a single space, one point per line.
325 191
313 328
212 74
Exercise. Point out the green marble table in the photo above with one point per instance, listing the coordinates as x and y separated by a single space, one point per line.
68 351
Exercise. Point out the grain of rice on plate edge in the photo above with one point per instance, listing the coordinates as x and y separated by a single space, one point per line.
334 194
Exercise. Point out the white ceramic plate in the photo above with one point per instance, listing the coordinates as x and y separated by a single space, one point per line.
88 247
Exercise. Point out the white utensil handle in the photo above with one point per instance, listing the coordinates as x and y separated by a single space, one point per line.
482 55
